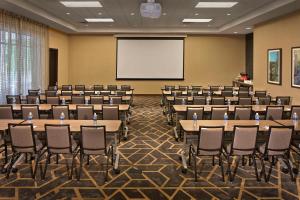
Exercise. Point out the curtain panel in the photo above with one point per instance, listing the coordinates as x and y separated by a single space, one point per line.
23 55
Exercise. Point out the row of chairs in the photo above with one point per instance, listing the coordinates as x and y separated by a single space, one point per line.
53 93
199 88
211 143
202 100
224 93
93 140
94 87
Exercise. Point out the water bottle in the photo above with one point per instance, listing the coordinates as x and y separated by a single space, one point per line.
95 118
209 93
257 101
29 117
86 101
183 102
195 118
207 101
62 116
225 116
14 100
63 101
37 101
110 101
228 102
279 102
295 117
257 118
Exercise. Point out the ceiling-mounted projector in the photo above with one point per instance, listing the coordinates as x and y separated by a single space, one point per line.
150 9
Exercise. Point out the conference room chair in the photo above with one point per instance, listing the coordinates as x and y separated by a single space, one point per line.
264 100
98 87
23 142
277 146
274 112
285 100
242 113
214 88
60 142
260 93
77 99
176 93
50 93
4 141
34 92
217 113
191 110
58 109
193 93
80 87
85 112
115 99
295 109
66 87
6 112
199 100
52 87
244 144
228 88
125 87
183 88
243 93
52 100
169 87
209 143
89 92
94 142
218 100
245 101
180 100
244 88
206 92
96 99
112 87
34 109
66 93
11 99
196 88
110 112
105 93
32 99
121 93
227 93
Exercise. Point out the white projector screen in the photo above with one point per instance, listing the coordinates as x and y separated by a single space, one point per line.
150 58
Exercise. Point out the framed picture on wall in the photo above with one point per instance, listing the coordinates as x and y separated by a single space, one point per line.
274 66
296 67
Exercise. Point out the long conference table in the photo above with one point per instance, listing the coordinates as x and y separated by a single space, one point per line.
189 129
111 126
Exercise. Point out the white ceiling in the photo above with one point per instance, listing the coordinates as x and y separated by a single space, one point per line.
246 13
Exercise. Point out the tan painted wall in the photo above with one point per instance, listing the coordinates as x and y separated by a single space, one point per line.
60 41
281 33
214 60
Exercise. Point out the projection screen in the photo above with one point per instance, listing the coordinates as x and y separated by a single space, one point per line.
150 58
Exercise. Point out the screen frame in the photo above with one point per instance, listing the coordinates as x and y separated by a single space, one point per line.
151 38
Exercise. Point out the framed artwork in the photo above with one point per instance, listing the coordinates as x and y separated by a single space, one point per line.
274 66
296 67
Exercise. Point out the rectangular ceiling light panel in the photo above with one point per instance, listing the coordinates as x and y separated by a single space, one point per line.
82 4
215 4
99 20
197 20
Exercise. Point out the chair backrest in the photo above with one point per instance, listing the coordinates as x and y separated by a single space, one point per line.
243 93
89 92
210 138
105 93
214 88
217 113
181 100
176 93
260 93
33 92
34 109
125 87
112 87
191 110
110 112
58 138
183 88
22 138
77 99
279 139
230 88
218 101
95 99
58 109
285 100
115 99
244 88
295 109
6 112
264 100
98 87
11 98
245 101
242 113
200 100
196 88
85 112
227 93
121 92
66 92
31 99
244 139
51 93
52 100
80 87
66 87
92 139
169 87
274 112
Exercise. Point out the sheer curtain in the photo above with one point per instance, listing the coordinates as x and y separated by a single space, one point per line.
23 55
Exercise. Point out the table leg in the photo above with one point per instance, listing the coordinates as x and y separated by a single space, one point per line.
183 154
116 154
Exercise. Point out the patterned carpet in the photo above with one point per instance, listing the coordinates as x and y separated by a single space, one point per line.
150 169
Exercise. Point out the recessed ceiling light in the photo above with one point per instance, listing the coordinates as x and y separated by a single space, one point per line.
228 14
132 14
99 20
81 4
164 13
248 28
196 14
99 13
196 20
215 4
68 13
235 32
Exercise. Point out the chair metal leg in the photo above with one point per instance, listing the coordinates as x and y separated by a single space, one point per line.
213 160
222 167
255 167
235 169
190 154
80 167
57 158
46 165
5 153
270 170
72 166
10 164
88 160
107 163
195 166
243 160
263 169
290 169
